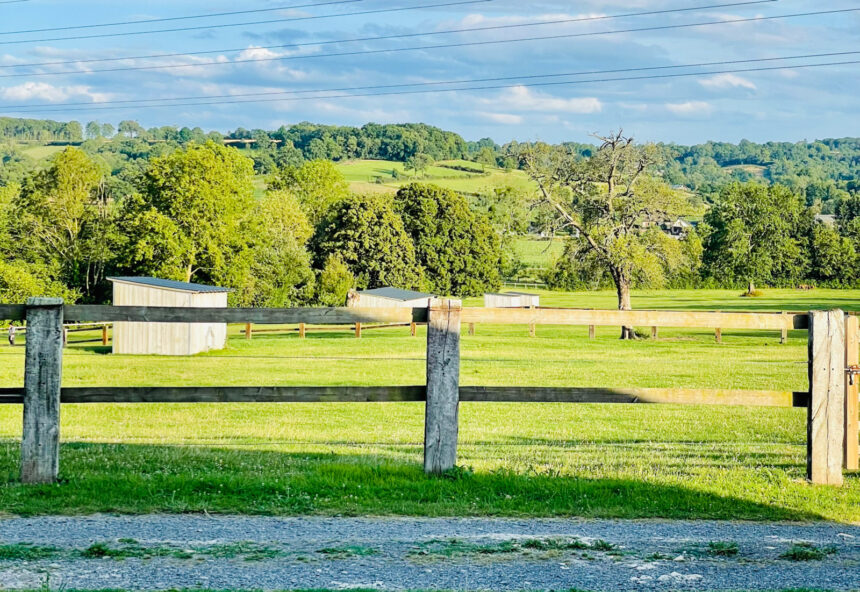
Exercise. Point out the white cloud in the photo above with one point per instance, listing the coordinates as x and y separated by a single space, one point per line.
50 93
727 81
504 118
521 98
690 108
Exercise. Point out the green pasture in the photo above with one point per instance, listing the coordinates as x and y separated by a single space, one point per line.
377 175
537 252
529 459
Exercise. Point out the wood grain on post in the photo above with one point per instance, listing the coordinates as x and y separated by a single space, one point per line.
358 330
105 338
302 330
718 335
40 442
248 331
825 424
851 445
443 386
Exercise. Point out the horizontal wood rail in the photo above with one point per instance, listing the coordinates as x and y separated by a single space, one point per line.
765 321
370 394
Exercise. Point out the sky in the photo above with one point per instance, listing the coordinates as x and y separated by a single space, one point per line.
281 51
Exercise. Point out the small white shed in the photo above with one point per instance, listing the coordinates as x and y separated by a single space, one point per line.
512 300
167 339
388 297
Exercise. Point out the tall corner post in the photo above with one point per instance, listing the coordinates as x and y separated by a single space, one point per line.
852 389
443 386
40 442
826 412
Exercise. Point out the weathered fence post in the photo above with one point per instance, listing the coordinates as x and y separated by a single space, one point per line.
471 328
825 424
852 429
249 332
413 328
105 339
783 336
591 332
655 332
443 385
358 330
718 335
40 442
302 330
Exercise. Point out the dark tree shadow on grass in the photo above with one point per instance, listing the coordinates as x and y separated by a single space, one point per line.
178 479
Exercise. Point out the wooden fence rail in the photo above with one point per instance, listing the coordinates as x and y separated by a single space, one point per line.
831 399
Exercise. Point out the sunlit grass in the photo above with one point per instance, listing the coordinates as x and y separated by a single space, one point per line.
518 459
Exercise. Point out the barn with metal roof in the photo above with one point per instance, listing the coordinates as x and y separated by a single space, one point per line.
167 339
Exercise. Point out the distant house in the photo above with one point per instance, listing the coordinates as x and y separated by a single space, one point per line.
826 219
677 229
388 297
167 339
511 300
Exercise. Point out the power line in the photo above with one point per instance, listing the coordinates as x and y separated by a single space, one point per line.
265 22
472 88
174 18
438 46
168 102
399 36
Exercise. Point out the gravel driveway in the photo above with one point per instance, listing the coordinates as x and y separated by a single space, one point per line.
159 552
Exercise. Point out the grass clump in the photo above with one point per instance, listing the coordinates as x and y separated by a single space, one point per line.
457 547
26 552
723 548
807 552
247 550
128 550
347 551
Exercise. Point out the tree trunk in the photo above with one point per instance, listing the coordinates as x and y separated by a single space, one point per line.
622 285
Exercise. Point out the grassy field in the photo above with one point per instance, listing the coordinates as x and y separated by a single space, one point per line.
534 252
518 459
363 175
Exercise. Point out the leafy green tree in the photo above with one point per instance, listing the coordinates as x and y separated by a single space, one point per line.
458 250
187 220
833 257
108 130
612 206
419 163
757 233
20 280
93 130
334 283
273 268
64 218
317 184
366 233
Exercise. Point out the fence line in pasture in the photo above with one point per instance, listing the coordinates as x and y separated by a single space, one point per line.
831 401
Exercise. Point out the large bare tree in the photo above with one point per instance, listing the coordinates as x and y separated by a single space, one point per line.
613 206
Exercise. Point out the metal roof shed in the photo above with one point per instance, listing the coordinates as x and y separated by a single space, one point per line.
388 297
167 339
512 300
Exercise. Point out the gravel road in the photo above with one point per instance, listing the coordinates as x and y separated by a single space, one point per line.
159 552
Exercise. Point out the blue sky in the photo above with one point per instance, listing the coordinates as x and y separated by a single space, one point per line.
792 104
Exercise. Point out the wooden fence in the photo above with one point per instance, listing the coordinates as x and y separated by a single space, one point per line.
831 402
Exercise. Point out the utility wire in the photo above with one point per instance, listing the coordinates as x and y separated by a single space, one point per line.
175 18
265 22
440 46
169 101
472 88
399 36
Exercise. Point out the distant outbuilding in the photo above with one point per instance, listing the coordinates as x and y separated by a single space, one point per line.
512 300
167 339
388 297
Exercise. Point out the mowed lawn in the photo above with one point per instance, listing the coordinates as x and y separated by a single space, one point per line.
518 459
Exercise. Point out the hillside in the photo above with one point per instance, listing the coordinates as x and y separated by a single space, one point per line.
387 176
